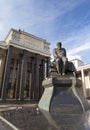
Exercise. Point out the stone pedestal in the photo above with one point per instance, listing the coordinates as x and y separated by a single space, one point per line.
63 94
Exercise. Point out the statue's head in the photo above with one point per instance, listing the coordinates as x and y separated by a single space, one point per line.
59 44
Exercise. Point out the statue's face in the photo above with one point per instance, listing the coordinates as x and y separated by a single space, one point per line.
59 45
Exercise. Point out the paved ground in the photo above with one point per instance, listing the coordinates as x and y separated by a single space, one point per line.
28 118
4 125
15 106
17 111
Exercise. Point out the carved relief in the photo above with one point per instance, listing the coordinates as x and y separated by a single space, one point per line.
46 47
16 36
30 42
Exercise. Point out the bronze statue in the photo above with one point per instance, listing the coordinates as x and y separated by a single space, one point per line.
61 65
60 58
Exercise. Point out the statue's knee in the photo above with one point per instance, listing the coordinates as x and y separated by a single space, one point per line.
57 59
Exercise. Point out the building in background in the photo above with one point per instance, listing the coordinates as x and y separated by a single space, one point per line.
24 63
83 73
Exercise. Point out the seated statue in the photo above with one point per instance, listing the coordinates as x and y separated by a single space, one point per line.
61 65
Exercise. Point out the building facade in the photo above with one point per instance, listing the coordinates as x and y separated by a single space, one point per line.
24 63
83 73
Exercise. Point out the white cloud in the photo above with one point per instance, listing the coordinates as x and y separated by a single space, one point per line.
32 14
75 53
79 49
71 57
48 12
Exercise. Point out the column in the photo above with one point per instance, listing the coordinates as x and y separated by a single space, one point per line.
1 72
48 63
13 83
89 81
83 82
0 65
36 89
18 76
42 76
23 75
30 83
32 78
6 73
43 69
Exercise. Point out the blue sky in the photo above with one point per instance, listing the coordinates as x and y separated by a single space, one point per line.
67 21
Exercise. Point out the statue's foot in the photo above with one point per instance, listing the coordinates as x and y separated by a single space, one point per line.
59 73
63 74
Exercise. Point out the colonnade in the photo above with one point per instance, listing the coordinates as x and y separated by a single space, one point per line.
22 75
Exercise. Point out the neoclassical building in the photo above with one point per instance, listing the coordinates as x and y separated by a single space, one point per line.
24 63
83 73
